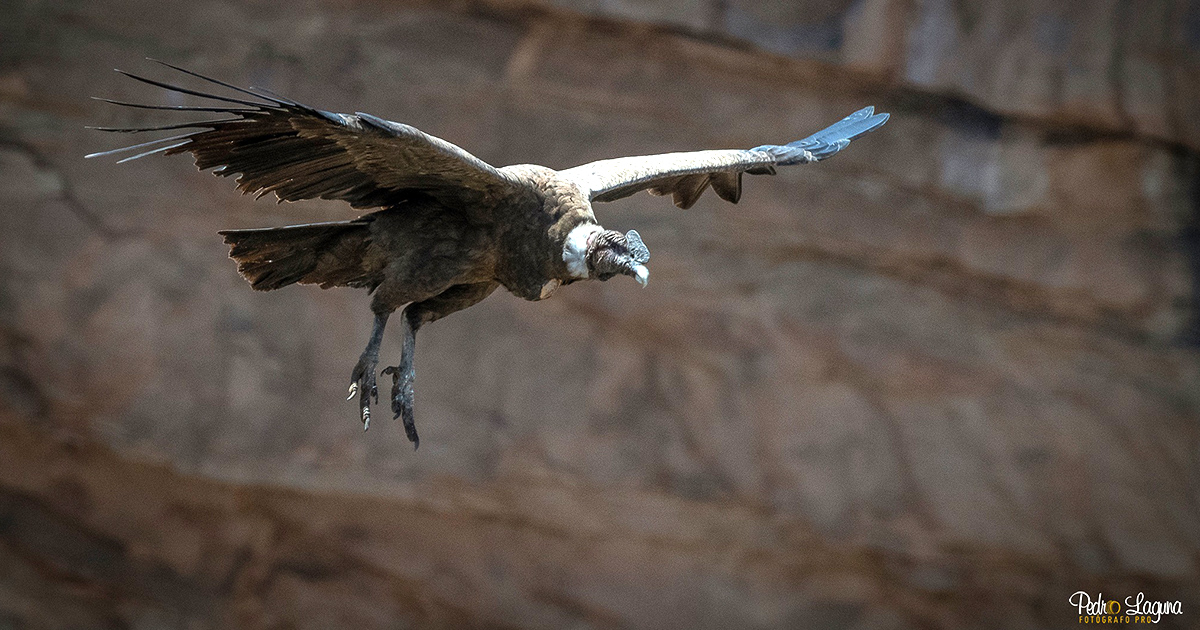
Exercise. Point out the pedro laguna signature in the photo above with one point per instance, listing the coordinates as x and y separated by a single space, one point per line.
443 229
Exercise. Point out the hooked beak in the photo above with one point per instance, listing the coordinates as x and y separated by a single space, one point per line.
641 274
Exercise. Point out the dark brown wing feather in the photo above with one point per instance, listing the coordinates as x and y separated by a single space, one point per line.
298 152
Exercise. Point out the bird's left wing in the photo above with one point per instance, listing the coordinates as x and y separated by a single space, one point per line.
685 176
299 152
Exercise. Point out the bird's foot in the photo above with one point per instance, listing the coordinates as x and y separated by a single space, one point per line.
402 400
362 382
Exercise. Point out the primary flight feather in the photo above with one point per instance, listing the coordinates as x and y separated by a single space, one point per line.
446 228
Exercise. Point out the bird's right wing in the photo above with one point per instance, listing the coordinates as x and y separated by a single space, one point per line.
685 176
299 152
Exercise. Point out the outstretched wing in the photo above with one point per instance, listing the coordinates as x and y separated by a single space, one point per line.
685 176
298 152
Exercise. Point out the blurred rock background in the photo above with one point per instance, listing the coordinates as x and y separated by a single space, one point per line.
944 380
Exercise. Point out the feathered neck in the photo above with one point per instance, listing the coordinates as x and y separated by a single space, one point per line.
577 246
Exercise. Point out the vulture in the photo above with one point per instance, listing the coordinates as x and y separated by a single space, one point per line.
442 229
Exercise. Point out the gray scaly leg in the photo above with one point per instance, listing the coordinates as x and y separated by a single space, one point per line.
362 379
404 375
415 316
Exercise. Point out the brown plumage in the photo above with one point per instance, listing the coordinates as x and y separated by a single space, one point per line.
447 228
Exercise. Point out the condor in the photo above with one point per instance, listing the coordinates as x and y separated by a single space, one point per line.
446 228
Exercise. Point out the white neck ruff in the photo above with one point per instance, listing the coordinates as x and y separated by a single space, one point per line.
576 247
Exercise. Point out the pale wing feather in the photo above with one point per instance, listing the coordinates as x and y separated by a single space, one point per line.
687 175
607 180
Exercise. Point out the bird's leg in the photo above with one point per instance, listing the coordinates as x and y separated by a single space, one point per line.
414 316
403 376
362 379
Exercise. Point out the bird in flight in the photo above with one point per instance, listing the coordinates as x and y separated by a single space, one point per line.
444 228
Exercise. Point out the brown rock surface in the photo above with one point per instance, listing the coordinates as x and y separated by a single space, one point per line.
1131 66
942 380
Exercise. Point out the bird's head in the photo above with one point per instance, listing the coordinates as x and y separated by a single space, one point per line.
610 253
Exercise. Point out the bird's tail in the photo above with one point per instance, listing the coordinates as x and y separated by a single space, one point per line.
328 254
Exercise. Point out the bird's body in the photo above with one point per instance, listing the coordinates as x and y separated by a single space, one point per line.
448 228
418 248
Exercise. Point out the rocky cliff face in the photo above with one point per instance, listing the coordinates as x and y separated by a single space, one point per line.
944 380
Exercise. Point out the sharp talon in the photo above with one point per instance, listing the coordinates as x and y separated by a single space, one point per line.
353 390
366 418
